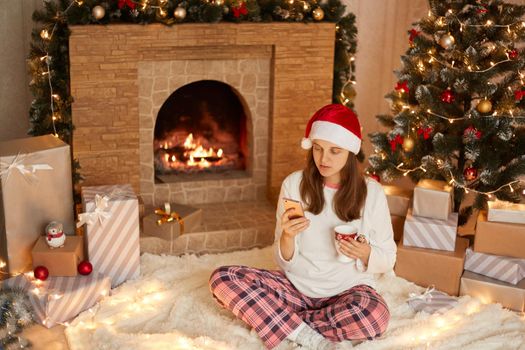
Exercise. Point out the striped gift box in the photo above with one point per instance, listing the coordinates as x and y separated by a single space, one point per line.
502 268
59 299
112 237
430 233
431 301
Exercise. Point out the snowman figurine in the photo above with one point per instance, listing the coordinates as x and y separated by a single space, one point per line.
55 236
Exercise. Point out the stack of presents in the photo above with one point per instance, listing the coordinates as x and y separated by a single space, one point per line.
65 270
434 251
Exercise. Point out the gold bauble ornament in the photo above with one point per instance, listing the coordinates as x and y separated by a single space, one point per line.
349 91
447 41
179 13
408 144
306 7
484 106
318 14
98 12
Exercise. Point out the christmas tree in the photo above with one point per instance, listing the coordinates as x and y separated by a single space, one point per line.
458 111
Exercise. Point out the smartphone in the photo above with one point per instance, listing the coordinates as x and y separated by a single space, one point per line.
297 211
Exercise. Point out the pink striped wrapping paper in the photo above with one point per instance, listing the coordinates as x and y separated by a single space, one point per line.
113 241
430 233
59 299
511 270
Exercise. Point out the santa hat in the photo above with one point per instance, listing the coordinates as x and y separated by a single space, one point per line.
334 123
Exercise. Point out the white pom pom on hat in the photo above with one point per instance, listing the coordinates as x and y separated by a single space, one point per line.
334 123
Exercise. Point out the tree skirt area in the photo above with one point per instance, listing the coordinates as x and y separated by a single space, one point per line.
170 307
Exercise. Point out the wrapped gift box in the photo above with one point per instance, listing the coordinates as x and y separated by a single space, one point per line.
398 222
112 231
35 189
490 290
431 301
499 238
430 233
59 299
398 199
433 199
190 219
502 211
429 267
502 268
61 261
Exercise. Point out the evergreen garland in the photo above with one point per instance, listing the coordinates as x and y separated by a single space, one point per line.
50 110
16 313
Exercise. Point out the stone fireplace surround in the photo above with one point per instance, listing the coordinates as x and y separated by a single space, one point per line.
121 75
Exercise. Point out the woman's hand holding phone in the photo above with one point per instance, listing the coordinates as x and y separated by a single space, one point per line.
293 220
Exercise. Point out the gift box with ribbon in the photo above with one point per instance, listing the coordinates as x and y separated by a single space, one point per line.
59 299
431 301
35 189
111 233
172 220
433 199
511 270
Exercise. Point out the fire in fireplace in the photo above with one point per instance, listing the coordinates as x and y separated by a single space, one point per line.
200 131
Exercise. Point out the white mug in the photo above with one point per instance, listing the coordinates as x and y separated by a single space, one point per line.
344 233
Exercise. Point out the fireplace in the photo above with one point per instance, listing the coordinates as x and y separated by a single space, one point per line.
200 134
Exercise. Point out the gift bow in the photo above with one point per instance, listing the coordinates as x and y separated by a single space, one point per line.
425 296
98 214
167 215
27 171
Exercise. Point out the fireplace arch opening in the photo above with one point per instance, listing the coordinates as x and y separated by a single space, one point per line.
201 133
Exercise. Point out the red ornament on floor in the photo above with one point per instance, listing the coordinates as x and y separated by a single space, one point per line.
41 273
448 96
85 268
470 173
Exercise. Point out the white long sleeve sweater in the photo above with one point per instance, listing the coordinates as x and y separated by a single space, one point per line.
314 269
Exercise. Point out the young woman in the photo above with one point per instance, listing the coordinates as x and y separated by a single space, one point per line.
316 300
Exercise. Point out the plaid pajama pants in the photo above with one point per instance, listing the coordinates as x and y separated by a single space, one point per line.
268 302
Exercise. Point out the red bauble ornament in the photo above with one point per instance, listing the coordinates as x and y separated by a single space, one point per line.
470 173
375 177
448 96
513 54
85 268
41 273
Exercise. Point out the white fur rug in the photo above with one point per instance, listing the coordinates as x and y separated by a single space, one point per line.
170 307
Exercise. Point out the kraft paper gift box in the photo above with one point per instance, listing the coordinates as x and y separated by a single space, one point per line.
431 301
398 199
398 222
184 219
430 233
429 267
433 199
502 211
490 290
61 261
35 189
510 270
59 299
112 231
499 238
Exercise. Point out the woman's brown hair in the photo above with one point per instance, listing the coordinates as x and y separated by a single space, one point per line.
349 198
